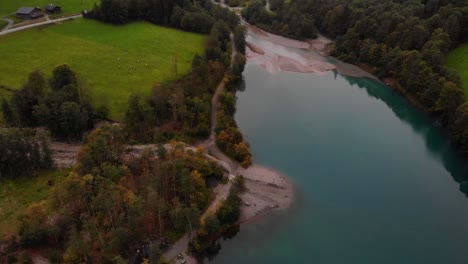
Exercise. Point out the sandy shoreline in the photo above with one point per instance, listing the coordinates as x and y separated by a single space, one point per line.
267 190
352 70
275 53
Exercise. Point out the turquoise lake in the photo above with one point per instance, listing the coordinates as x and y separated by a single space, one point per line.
375 179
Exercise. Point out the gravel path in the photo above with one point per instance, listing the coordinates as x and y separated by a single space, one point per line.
9 25
221 191
8 31
267 6
180 247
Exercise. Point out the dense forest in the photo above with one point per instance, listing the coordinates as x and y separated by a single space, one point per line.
405 42
60 104
112 203
196 16
24 151
115 202
225 218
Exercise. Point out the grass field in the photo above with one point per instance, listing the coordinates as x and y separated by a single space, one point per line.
68 6
3 23
102 55
17 194
458 60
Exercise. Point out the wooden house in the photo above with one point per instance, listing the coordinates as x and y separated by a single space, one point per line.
29 12
53 9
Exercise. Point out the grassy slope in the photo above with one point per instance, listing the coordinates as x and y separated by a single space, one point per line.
92 49
3 23
3 94
458 59
17 194
68 6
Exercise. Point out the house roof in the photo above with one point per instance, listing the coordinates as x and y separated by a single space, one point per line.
51 7
25 10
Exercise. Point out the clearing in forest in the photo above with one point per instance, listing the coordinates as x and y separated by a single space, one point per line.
458 60
113 61
18 193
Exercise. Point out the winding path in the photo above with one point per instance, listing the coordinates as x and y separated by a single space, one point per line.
267 6
209 145
8 31
9 25
179 247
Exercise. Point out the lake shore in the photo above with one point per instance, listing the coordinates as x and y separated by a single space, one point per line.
267 190
276 53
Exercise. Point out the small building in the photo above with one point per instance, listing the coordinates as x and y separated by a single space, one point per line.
29 13
53 9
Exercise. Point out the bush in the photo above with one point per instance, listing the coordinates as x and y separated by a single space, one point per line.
23 151
33 237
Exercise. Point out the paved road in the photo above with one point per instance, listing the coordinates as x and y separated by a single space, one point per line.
9 25
5 32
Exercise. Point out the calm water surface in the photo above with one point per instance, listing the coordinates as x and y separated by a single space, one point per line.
375 179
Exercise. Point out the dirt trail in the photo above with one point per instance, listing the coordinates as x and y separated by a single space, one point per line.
8 31
64 154
179 247
210 144
268 6
9 25
214 153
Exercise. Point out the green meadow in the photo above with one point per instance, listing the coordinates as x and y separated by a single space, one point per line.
113 61
18 193
3 23
68 6
458 60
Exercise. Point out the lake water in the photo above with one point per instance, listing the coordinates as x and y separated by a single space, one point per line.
375 179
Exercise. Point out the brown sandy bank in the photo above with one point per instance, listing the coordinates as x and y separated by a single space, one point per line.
276 53
267 190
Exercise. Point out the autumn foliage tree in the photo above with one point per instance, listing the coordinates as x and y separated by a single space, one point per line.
229 138
112 203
